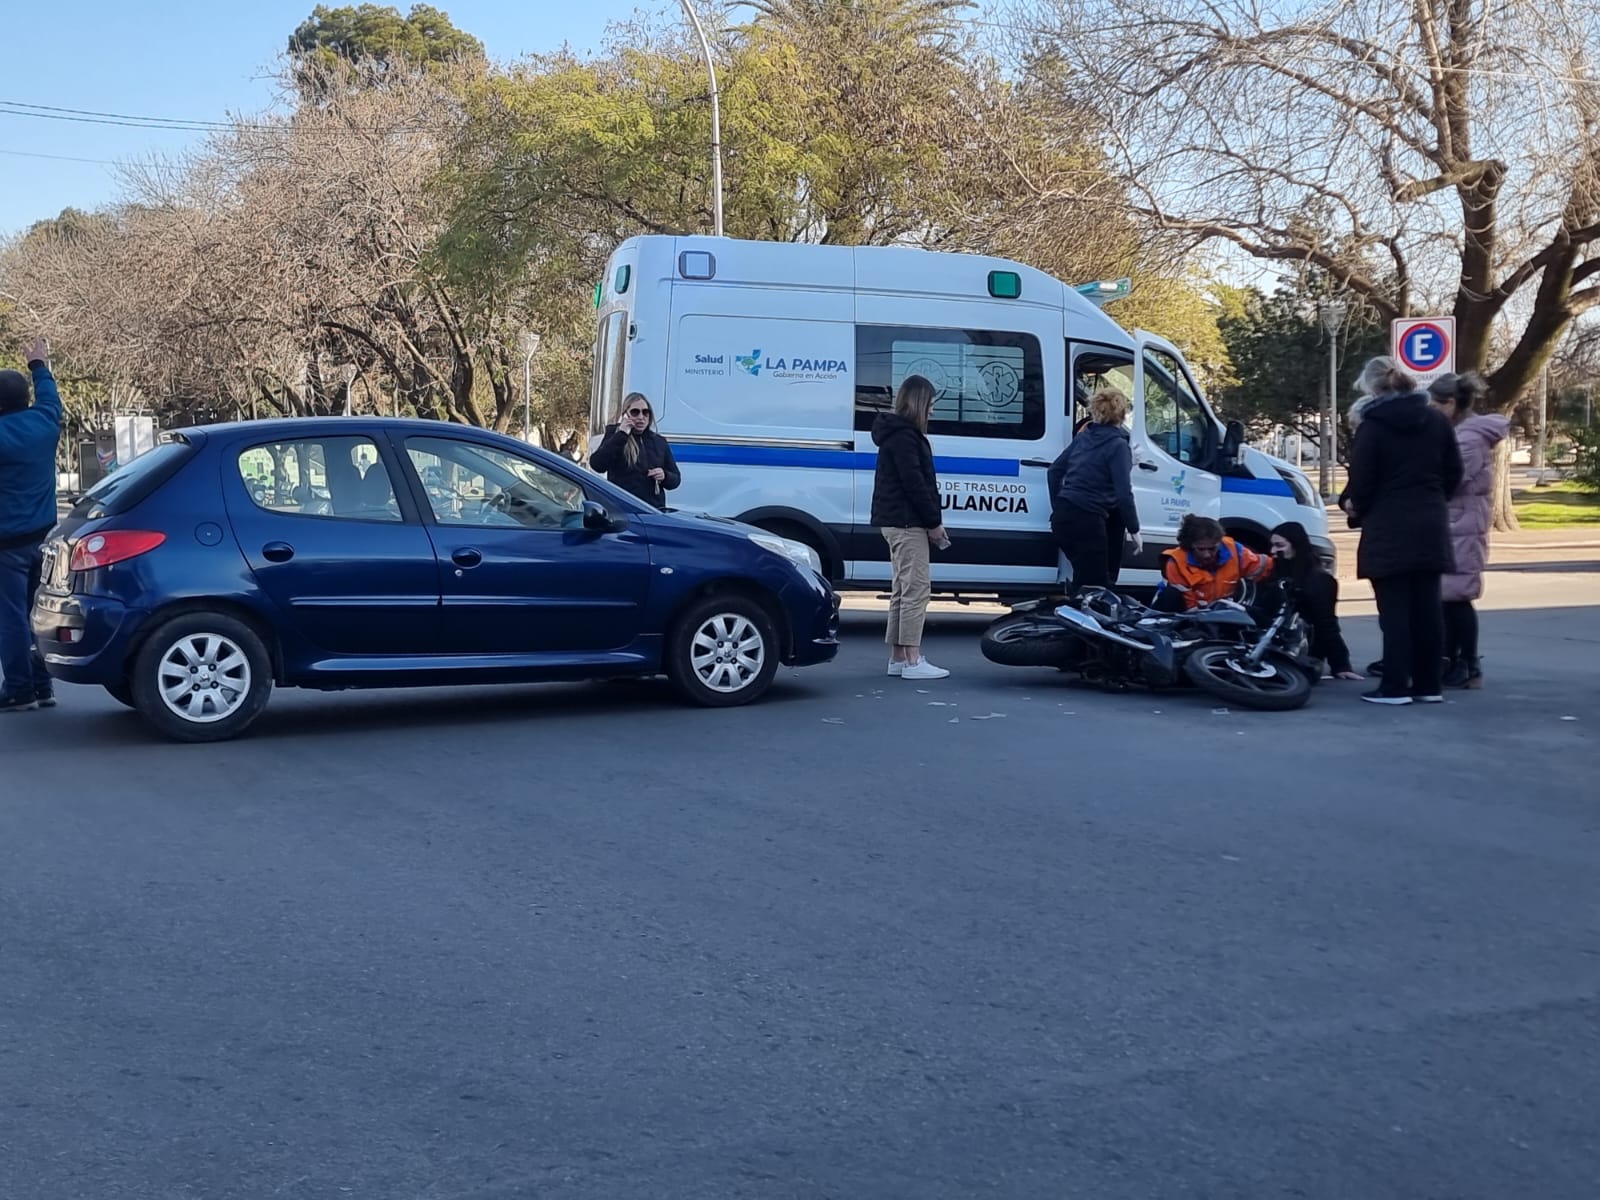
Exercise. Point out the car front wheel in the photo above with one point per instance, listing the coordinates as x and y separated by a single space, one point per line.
202 677
723 652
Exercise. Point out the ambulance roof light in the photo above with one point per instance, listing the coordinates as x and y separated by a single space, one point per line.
1101 292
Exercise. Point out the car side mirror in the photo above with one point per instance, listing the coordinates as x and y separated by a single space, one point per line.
596 519
1232 442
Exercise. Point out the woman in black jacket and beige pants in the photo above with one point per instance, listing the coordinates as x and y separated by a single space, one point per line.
906 508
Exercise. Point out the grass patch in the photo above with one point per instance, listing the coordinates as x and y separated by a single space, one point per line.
1559 506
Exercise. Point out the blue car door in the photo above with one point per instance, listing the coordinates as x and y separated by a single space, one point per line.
348 567
518 572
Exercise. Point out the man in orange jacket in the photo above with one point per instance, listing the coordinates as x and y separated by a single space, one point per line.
1207 566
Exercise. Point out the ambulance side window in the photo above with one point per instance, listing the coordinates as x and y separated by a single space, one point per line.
1174 418
1093 370
989 384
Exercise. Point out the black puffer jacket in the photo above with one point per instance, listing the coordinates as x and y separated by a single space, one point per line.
905 490
610 459
1404 466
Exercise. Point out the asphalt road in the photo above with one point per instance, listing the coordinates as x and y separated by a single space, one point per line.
995 936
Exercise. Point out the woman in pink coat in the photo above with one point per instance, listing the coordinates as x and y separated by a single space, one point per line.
1470 510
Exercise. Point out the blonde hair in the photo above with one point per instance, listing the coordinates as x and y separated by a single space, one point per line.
630 448
1108 407
914 399
1383 376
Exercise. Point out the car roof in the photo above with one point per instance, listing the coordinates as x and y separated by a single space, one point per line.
285 428
297 427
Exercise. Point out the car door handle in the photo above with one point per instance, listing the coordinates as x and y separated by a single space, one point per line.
466 557
278 552
1037 462
1144 466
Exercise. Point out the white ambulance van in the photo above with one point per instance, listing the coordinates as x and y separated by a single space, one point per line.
767 362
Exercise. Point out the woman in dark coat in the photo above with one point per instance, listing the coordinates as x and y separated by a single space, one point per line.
635 457
1316 596
1091 494
1404 467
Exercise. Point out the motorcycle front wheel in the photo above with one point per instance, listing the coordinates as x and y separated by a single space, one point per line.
1277 685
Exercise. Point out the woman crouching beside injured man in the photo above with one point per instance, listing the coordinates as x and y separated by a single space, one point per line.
1208 566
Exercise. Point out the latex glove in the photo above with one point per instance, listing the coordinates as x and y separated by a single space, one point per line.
1138 544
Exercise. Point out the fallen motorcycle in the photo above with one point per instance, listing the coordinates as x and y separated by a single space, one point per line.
1115 641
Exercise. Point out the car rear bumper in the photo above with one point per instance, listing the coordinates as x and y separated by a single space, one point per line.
84 639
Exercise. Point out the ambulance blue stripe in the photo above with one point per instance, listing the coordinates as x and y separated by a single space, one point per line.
1257 487
833 460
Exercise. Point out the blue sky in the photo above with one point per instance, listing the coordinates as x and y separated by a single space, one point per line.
189 60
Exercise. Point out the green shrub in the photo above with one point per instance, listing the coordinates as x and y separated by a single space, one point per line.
1587 472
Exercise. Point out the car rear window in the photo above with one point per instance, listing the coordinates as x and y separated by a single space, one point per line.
127 486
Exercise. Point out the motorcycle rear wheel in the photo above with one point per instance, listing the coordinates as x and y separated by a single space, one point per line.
1280 686
1028 640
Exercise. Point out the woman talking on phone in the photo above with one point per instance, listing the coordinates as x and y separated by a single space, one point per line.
635 457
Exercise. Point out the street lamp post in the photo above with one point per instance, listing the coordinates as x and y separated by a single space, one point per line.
349 372
1333 314
1544 422
530 347
716 118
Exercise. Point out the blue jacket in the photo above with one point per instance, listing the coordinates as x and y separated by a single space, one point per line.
28 440
1095 473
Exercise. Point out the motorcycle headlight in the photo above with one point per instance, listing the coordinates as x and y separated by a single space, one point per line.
798 553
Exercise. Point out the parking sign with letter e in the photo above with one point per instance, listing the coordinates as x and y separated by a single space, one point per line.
1424 346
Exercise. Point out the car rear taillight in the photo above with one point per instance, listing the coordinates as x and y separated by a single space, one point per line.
114 546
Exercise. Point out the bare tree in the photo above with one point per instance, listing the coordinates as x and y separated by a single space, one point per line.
243 278
1422 154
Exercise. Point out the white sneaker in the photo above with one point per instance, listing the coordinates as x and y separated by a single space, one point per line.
896 668
923 669
1392 701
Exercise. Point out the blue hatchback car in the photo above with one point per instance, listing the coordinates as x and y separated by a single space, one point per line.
348 552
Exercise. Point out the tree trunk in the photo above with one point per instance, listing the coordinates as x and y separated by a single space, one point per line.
1504 512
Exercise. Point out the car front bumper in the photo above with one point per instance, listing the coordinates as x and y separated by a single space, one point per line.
816 627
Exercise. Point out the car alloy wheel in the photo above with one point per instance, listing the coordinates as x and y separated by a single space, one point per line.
201 676
728 653
204 678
